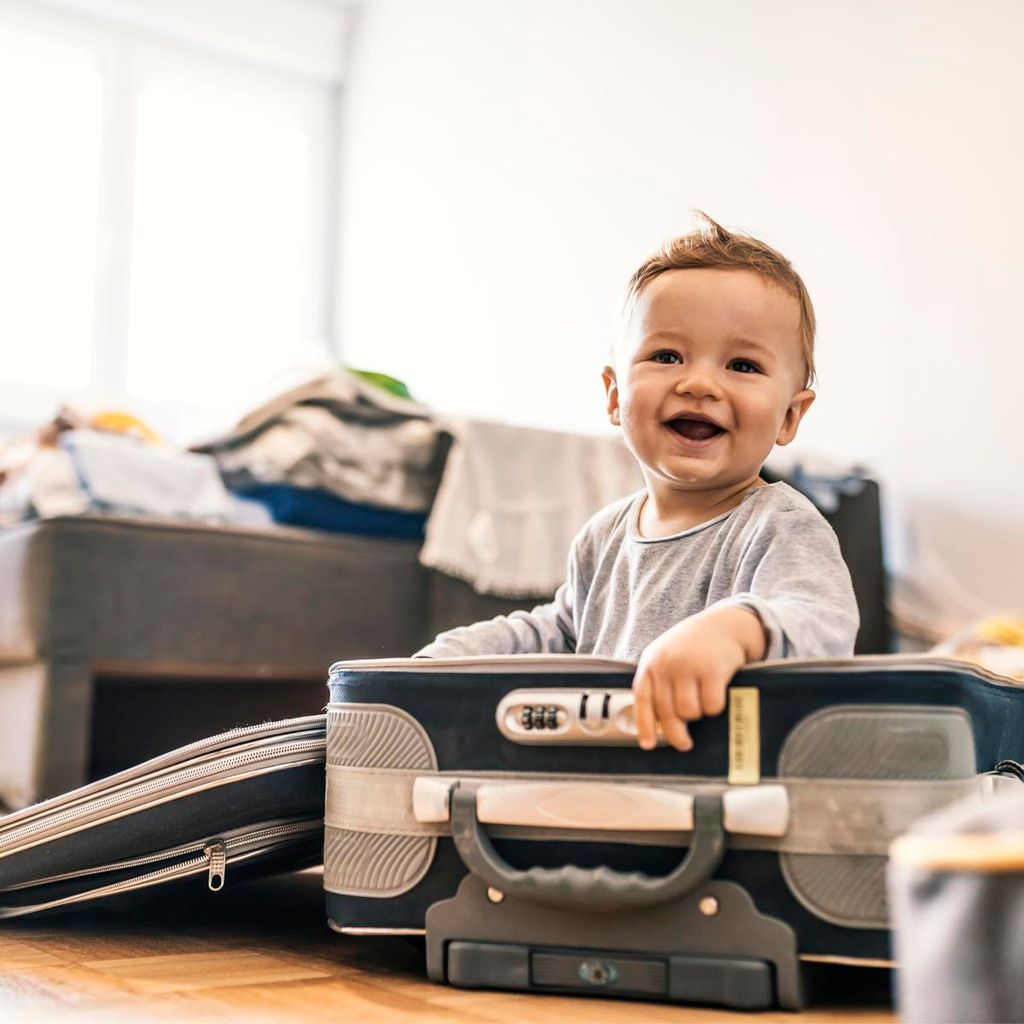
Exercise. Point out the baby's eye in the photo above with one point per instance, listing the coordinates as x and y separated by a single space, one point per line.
744 366
666 357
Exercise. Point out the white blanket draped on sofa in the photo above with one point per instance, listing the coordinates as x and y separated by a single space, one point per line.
512 498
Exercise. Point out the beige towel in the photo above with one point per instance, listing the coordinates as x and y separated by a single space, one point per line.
512 499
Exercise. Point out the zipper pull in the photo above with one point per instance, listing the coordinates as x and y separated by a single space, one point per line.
217 854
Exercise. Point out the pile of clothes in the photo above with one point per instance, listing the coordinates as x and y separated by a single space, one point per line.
343 450
496 505
106 462
340 451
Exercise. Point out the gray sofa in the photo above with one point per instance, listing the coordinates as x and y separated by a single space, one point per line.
122 638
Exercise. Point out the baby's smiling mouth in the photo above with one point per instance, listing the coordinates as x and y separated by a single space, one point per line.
694 429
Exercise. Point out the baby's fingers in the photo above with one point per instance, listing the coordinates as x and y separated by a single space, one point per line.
687 699
643 710
672 725
712 693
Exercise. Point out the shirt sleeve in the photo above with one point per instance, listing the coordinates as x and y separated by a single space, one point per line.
794 579
547 629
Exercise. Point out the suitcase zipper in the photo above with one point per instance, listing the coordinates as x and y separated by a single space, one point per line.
579 663
39 829
211 857
229 842
216 853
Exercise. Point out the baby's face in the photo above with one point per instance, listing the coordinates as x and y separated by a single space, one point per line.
709 377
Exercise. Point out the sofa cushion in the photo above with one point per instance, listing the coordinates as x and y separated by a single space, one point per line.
99 590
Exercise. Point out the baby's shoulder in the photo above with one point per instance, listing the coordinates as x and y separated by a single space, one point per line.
777 514
778 499
609 522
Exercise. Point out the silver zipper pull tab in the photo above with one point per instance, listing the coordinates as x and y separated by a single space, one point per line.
217 854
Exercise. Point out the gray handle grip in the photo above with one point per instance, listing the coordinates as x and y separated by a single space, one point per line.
589 888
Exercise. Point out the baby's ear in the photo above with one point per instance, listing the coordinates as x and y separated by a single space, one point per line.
611 390
798 406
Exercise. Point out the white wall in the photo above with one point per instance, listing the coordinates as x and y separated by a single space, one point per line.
509 162
307 39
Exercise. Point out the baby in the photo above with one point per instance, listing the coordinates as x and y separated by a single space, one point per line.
708 568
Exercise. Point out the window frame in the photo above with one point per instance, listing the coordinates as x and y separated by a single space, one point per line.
126 58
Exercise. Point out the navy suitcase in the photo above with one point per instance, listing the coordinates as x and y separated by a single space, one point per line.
501 807
241 803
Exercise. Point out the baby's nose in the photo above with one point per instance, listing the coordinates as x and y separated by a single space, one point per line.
699 383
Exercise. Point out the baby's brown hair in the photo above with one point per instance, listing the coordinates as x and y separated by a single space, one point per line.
711 245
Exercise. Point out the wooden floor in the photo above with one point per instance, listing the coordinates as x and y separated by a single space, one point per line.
262 952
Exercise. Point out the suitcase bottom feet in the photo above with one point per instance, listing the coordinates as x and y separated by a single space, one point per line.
712 947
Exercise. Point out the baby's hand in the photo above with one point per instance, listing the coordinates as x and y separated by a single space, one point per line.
683 675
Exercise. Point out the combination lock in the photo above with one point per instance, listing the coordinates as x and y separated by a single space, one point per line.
539 716
599 717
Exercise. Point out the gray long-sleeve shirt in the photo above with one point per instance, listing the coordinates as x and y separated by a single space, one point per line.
773 553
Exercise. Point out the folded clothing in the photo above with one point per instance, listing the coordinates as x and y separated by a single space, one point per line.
342 435
95 471
122 475
300 506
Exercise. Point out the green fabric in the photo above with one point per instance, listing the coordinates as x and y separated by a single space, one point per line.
382 380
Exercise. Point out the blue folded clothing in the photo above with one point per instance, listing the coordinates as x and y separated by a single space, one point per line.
320 510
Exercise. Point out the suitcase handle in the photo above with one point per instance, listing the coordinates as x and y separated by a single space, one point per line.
589 888
607 807
587 805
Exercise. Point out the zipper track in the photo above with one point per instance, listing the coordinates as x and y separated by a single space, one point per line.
189 867
231 842
111 787
267 732
580 663
189 775
498 662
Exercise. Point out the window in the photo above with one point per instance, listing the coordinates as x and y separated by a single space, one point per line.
167 214
225 251
51 99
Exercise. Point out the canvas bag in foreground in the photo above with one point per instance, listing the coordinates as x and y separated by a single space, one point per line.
957 892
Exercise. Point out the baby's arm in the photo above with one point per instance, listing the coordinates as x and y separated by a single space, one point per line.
793 599
545 630
548 629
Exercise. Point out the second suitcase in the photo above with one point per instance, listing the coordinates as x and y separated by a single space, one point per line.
244 802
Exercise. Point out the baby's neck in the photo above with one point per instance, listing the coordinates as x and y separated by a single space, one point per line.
666 511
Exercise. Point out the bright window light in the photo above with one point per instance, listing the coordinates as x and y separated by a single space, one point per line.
51 99
222 250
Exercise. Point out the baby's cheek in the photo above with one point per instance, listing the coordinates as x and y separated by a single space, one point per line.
762 420
632 421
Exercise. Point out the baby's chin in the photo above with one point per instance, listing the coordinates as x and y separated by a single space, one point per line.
694 481
682 481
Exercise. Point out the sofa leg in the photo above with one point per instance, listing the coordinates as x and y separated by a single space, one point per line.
64 753
23 701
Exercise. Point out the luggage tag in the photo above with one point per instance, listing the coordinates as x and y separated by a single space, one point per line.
744 736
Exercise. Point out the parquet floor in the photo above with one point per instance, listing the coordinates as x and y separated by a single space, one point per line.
261 952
